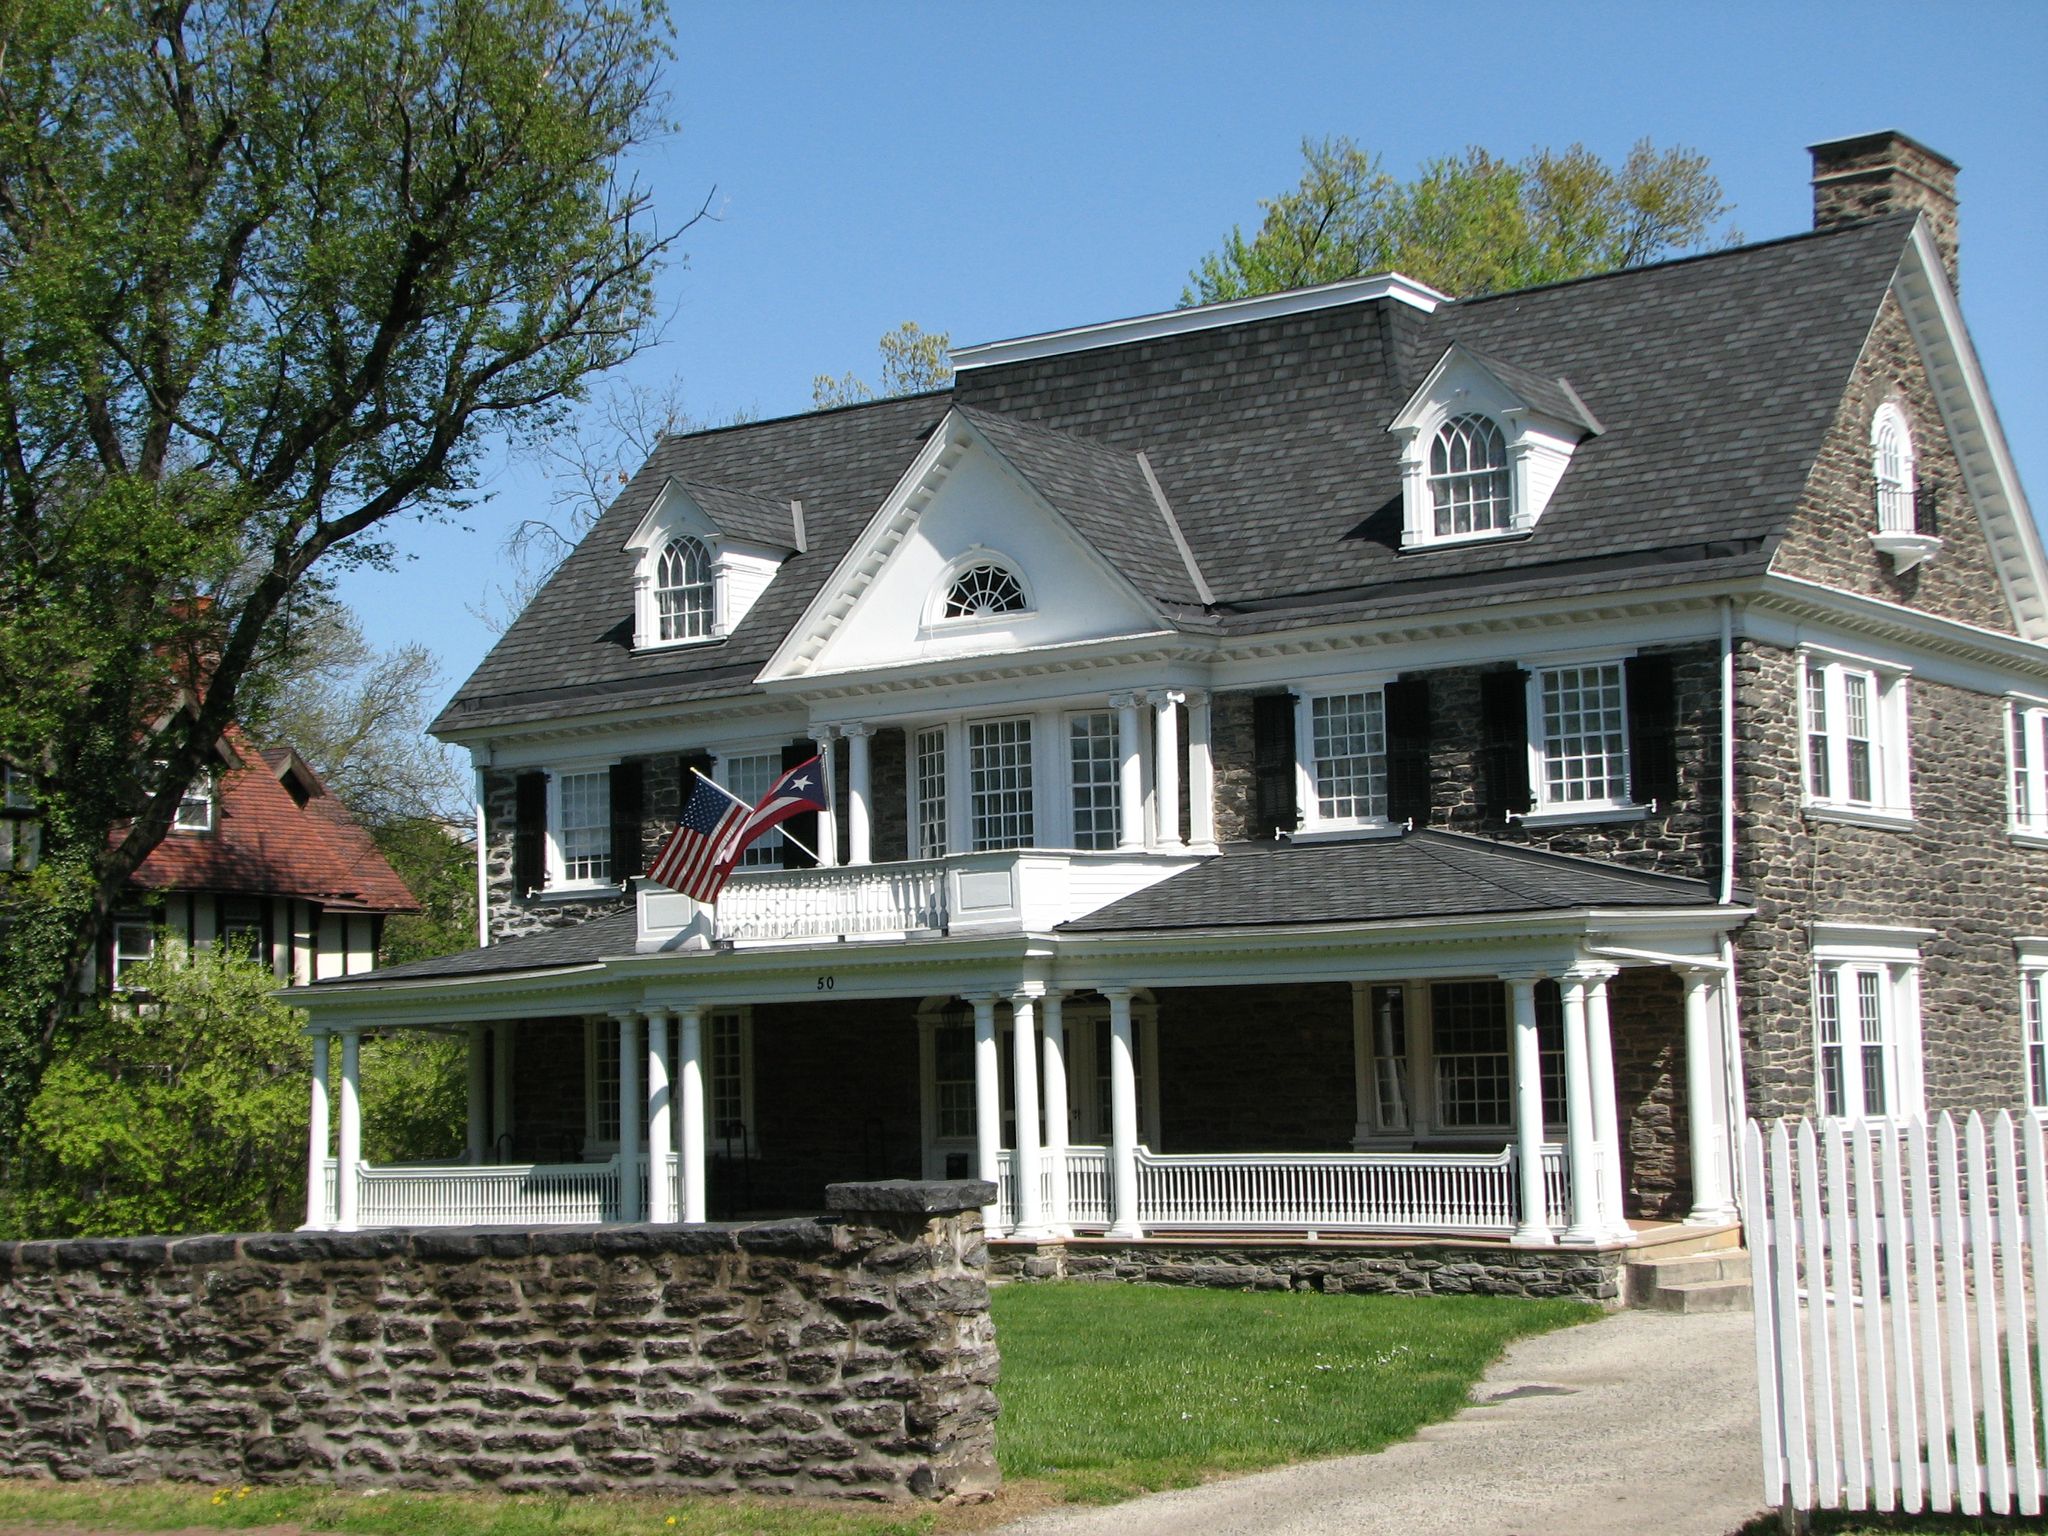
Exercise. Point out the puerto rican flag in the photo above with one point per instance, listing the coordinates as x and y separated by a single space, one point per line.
714 829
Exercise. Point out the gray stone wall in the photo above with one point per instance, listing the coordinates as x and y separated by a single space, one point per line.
514 913
1646 1011
1256 1069
851 1356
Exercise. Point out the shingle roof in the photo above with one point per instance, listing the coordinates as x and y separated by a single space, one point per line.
1553 397
578 944
1418 875
745 514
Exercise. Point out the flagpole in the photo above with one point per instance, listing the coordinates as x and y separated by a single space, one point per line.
745 806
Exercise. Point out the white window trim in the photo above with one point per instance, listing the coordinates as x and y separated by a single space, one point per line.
1306 793
740 571
1891 414
201 791
2030 831
116 962
557 883
1891 802
1548 812
1894 953
1072 786
2033 957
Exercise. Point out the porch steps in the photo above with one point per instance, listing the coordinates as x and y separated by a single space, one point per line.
1703 1279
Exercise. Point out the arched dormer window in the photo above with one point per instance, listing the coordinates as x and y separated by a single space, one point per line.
683 593
1469 485
983 589
1891 455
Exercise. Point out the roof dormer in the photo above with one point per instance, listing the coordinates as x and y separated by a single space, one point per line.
1483 446
705 553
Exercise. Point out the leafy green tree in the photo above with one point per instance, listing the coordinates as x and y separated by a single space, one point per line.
439 868
272 272
1469 224
415 1096
913 360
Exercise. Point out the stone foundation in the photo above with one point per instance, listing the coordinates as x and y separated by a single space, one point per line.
850 1355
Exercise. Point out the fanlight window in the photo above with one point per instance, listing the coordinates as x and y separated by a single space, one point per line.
1892 452
981 590
1468 478
682 591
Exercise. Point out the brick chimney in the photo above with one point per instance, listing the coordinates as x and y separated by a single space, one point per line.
1876 174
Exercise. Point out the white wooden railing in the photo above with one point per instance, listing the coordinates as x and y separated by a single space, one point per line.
826 903
1473 1192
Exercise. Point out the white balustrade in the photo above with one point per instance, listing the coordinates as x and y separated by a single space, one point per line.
507 1194
828 903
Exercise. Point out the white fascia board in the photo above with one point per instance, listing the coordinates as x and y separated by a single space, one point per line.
1203 317
422 1000
1975 433
1942 650
628 731
1045 674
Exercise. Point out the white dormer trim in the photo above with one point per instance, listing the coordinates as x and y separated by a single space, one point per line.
740 572
1539 445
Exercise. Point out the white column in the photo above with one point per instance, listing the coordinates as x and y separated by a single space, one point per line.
1166 772
1123 1116
1710 1203
690 1119
1052 1028
859 795
1606 1105
661 1138
1581 1147
1201 777
1024 1085
349 1156
479 1098
317 1214
828 824
1534 1232
629 1116
501 1086
1130 782
988 1107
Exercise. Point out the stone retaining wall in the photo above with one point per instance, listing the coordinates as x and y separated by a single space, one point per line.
850 1355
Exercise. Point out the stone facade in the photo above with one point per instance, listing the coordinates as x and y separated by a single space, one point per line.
1646 1013
851 1356
1298 1095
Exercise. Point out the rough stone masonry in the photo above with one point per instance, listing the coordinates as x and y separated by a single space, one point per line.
850 1355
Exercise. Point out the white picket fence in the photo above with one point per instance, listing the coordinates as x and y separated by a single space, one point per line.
1897 1271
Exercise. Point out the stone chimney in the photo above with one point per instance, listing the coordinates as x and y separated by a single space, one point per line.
1876 174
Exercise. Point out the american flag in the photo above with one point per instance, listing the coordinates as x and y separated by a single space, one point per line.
689 861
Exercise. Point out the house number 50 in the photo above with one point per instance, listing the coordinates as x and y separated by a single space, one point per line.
827 983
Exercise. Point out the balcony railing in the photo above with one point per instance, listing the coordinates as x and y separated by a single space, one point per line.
492 1195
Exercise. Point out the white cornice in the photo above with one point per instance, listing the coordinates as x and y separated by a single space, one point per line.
1924 634
1203 317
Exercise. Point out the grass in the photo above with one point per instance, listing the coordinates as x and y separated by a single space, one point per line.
1108 1391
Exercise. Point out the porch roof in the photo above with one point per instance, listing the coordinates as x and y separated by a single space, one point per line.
1417 875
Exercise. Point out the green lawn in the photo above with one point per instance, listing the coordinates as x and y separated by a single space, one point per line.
1108 1391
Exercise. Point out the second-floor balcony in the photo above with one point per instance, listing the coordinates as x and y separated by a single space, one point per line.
1012 891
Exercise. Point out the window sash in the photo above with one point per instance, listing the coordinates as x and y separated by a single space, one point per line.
1856 1040
604 1123
953 1082
1581 715
2027 738
1348 755
134 944
1387 1031
2034 1021
583 826
929 780
1094 769
727 1079
750 775
684 593
195 807
999 784
1469 488
1855 736
1472 1050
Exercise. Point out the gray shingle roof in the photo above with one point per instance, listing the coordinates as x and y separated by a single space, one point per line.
1554 397
577 944
745 515
1419 875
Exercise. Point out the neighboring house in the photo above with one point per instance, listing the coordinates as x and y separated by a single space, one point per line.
1354 759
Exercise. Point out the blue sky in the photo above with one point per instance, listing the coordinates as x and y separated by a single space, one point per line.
996 170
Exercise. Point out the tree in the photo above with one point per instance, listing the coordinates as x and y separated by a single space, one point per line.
271 273
913 360
1469 224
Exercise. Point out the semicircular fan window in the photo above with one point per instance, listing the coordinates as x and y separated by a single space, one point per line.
981 590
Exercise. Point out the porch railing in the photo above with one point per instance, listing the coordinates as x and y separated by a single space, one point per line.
1473 1192
455 1194
825 903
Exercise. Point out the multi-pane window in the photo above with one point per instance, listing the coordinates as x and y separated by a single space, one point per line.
1474 1076
982 590
1855 1039
20 836
726 1063
1093 765
1584 745
2034 1019
750 775
1387 1023
241 926
604 1124
195 806
683 591
1550 1049
2027 735
953 1080
1468 478
1105 1101
134 944
583 826
1891 448
999 783
1855 736
930 770
1348 746
1820 779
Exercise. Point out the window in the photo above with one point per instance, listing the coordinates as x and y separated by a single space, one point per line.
134 944
1866 1029
604 1077
1581 737
1468 478
729 1080
953 1080
930 783
195 806
1387 1022
683 595
2027 738
1855 732
999 783
241 926
750 776
1092 756
20 834
1348 753
1891 451
1474 1074
582 826
982 590
2034 1023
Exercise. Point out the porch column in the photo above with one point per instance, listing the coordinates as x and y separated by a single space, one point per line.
1123 1116
1606 1110
1534 1231
629 1116
349 1155
479 1098
828 824
661 1141
1581 1148
858 794
501 1087
1052 1027
1130 782
690 1121
1024 1168
988 1108
1166 772
1201 777
1710 1203
316 1134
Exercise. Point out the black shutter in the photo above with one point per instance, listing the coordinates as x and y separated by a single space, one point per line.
1927 512
1503 744
627 814
529 832
1652 725
803 828
1407 711
1275 808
